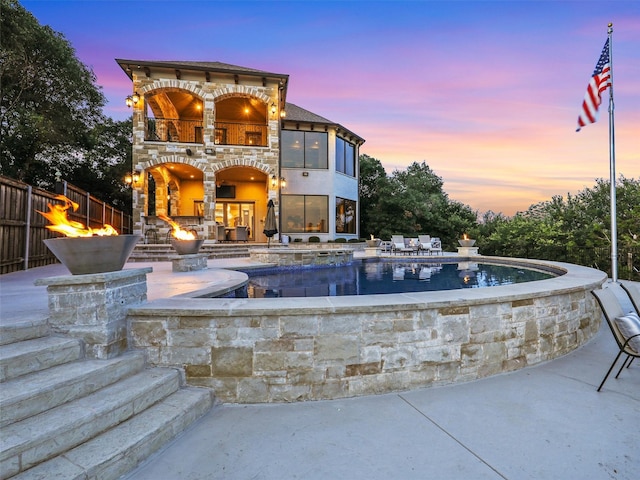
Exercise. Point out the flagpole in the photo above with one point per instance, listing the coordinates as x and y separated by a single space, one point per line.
612 169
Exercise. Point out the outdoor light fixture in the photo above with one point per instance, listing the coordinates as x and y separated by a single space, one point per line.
283 113
275 182
132 178
132 100
274 109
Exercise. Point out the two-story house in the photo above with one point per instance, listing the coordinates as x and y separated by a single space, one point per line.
213 143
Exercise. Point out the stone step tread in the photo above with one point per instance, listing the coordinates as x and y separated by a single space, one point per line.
120 449
36 354
23 329
26 443
37 392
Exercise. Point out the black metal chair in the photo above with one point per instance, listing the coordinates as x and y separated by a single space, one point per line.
612 310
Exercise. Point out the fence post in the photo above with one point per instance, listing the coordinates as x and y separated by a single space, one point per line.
88 210
27 233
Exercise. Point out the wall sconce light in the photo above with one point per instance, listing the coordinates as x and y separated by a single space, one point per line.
189 152
282 183
132 178
132 100
274 109
283 113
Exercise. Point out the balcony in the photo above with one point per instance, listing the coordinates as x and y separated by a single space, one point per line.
190 131
227 133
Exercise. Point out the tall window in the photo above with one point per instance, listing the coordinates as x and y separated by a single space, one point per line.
305 213
304 149
345 215
345 157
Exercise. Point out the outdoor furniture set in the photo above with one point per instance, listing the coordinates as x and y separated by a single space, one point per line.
424 244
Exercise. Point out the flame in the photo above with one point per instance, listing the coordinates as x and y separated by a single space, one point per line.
177 231
465 237
57 215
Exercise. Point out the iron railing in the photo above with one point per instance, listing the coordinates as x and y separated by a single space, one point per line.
190 131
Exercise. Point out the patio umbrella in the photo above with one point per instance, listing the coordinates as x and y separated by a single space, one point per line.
270 226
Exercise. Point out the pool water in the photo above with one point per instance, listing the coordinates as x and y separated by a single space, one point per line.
367 278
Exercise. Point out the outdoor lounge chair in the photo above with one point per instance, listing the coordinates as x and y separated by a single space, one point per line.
633 291
425 244
399 245
624 327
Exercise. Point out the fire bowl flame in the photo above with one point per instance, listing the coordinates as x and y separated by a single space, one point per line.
97 254
187 247
466 242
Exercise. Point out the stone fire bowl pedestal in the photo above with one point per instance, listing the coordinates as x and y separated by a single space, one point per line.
87 255
186 247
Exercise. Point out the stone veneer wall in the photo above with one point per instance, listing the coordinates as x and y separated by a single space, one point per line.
148 154
283 350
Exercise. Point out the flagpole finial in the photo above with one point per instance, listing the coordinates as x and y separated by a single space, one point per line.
610 25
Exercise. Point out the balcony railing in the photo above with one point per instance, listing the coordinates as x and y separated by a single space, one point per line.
240 134
190 131
173 130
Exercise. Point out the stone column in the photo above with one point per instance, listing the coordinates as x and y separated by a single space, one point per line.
93 307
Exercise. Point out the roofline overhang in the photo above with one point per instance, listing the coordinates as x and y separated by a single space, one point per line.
128 66
325 126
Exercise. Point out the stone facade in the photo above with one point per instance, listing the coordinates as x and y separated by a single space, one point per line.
93 307
283 350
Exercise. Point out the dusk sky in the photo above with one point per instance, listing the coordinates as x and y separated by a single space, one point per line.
486 93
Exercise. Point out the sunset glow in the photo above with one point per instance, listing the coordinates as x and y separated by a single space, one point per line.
486 93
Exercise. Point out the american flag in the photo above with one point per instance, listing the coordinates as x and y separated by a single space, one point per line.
600 81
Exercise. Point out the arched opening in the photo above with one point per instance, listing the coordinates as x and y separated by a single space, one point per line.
241 121
173 116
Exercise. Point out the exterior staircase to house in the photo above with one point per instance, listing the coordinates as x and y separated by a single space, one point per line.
163 252
64 416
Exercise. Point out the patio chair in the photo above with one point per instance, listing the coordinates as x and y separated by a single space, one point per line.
633 292
425 244
436 246
624 327
399 245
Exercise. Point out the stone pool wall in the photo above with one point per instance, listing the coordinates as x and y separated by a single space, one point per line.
292 349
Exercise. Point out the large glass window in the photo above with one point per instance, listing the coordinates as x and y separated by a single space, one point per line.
345 215
345 157
304 149
305 213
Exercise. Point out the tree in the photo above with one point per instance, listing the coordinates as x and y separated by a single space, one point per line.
409 202
49 101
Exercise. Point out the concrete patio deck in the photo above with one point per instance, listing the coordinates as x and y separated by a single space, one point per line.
542 422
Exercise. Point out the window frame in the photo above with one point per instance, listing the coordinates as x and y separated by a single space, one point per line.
323 162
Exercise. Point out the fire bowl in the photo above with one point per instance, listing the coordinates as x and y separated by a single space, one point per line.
186 247
374 243
466 243
85 255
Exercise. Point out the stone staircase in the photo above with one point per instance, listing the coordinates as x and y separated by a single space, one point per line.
67 417
162 252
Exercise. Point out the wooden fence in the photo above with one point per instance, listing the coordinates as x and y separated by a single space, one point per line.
23 229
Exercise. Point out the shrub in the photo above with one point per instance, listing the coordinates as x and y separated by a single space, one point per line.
354 240
314 239
341 240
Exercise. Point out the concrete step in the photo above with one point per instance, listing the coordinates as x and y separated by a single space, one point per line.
37 354
120 449
37 392
36 439
23 329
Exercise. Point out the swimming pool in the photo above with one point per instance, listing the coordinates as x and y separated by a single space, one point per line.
379 277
